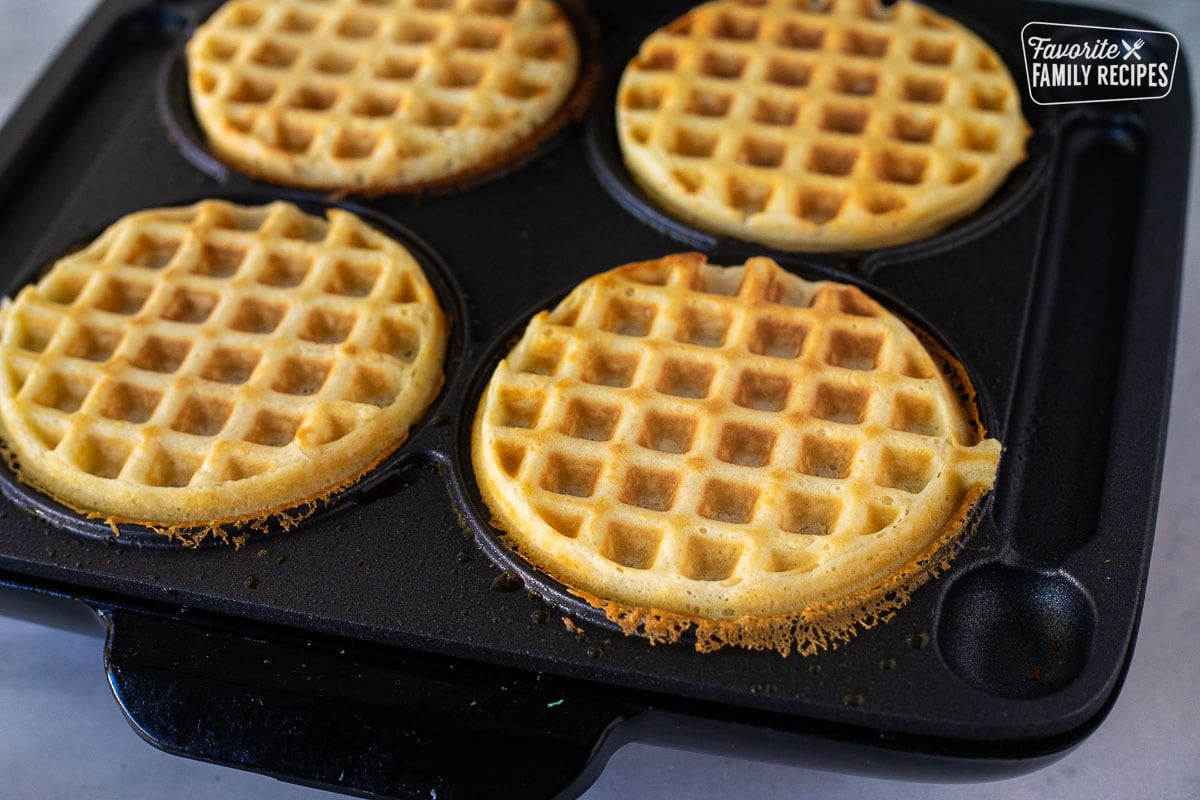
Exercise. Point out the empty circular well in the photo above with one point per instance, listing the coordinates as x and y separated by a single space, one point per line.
1015 632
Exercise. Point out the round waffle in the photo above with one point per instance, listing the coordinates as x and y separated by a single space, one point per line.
216 363
391 94
819 125
771 461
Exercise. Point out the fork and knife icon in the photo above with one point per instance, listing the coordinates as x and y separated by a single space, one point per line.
1132 50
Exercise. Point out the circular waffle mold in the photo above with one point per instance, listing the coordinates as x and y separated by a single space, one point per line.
450 299
1015 632
492 540
173 99
604 154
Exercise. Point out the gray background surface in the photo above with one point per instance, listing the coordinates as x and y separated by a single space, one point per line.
62 735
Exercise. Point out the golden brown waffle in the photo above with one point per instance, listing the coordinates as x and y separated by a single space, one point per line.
770 460
819 125
216 363
381 95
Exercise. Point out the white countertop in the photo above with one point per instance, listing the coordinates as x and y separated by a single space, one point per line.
62 735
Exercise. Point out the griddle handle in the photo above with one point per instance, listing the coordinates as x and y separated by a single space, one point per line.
374 725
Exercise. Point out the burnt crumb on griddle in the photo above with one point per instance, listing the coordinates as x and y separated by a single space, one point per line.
508 581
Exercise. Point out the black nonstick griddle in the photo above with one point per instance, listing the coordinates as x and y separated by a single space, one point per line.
389 646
